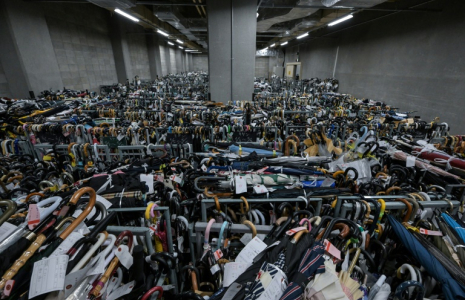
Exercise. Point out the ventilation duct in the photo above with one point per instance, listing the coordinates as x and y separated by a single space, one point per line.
111 4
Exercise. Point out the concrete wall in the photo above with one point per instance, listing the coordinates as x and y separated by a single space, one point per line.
414 61
4 88
77 46
199 62
138 53
262 66
82 45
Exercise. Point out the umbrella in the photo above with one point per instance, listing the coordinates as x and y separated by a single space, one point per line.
21 270
452 240
455 226
451 288
267 270
326 285
312 262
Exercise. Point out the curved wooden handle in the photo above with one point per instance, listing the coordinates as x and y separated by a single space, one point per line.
83 215
20 262
251 226
32 195
10 210
247 208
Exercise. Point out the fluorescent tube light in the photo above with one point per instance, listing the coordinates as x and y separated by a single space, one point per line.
341 20
257 15
119 11
169 43
283 44
179 41
265 49
272 45
180 47
302 36
189 50
162 32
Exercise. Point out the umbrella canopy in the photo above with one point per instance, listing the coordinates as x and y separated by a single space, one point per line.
451 288
312 262
264 278
455 226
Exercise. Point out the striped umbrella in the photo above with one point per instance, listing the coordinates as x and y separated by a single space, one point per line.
267 270
312 263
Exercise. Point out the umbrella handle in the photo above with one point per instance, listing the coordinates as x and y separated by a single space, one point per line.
251 226
158 289
20 262
10 210
83 215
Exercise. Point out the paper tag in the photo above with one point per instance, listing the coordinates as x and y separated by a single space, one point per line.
254 247
410 161
241 184
295 230
99 267
332 250
218 254
176 179
72 280
120 137
111 285
430 232
6 229
8 287
125 258
204 168
67 244
33 216
275 288
260 189
327 182
82 229
48 275
121 291
232 291
148 179
232 271
214 269
246 238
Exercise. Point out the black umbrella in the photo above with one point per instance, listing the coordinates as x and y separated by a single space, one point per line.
25 263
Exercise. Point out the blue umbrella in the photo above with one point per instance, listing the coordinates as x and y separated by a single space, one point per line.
312 263
450 287
455 226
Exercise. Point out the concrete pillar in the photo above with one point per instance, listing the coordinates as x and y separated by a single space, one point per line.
27 53
169 67
232 28
120 47
178 56
154 56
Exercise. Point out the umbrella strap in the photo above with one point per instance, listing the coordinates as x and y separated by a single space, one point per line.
300 279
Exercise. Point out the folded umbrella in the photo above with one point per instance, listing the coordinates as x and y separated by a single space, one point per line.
326 286
455 226
312 263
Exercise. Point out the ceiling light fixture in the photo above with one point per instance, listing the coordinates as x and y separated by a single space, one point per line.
283 44
179 41
162 32
169 43
119 11
302 36
265 49
341 20
257 15
180 47
272 45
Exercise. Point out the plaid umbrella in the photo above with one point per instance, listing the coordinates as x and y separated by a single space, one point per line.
257 287
312 262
